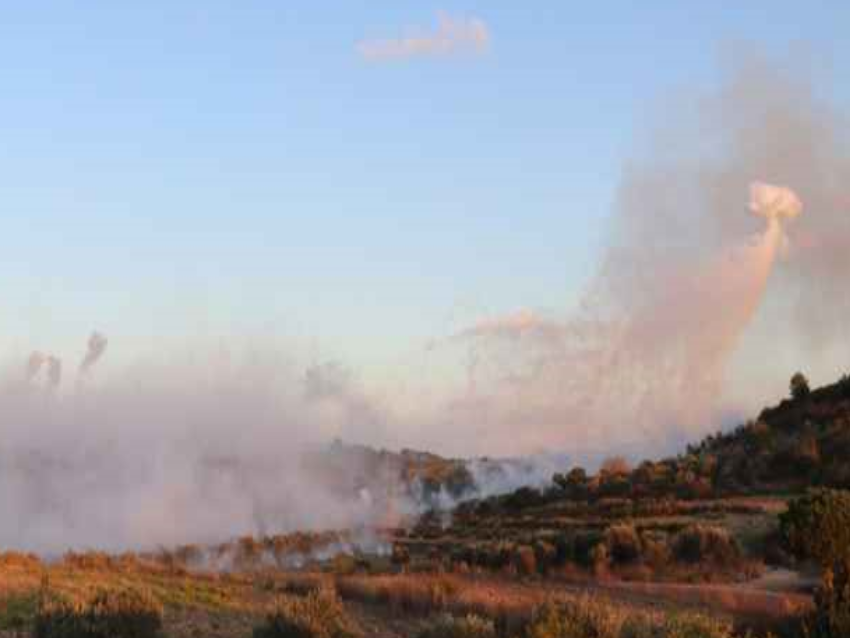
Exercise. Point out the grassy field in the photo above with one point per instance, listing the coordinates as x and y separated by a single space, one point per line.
380 605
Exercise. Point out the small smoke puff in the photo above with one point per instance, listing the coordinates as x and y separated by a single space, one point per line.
34 364
774 202
96 347
54 371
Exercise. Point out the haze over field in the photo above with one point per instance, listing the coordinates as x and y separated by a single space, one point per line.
727 242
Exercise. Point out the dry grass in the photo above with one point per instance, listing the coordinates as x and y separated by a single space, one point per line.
320 614
509 606
110 613
217 603
225 605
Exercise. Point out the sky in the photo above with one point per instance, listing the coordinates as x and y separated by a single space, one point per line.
311 171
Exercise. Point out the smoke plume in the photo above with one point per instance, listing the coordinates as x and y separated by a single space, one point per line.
54 372
685 273
34 365
96 348
205 447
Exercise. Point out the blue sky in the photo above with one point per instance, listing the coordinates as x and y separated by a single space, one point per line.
216 168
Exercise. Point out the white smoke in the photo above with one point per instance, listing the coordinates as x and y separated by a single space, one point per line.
165 454
685 274
205 449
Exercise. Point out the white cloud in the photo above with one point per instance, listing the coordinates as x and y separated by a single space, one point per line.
452 35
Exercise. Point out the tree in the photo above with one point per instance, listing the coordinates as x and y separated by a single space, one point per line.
799 386
615 466
817 526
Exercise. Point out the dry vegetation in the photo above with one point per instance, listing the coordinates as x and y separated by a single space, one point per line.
668 549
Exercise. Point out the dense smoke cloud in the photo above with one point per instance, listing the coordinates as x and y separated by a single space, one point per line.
207 448
174 453
684 274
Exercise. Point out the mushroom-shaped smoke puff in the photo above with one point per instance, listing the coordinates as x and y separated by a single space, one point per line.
54 371
96 347
34 364
774 202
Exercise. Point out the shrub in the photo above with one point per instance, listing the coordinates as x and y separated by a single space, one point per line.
525 560
656 550
301 584
20 560
126 613
343 564
524 497
697 543
817 526
799 386
831 617
546 555
583 545
318 615
400 555
471 626
615 465
409 594
623 544
696 626
17 612
678 626
574 483
614 486
580 618
635 627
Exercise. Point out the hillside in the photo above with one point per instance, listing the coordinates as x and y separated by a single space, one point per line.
694 533
707 514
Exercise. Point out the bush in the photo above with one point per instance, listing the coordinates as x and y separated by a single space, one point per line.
126 613
817 526
470 626
583 546
799 386
831 617
623 544
678 626
698 543
615 465
17 612
524 497
319 615
301 584
525 560
656 550
408 594
696 626
580 618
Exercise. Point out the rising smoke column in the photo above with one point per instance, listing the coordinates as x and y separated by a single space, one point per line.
97 344
691 293
34 365
54 372
629 366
